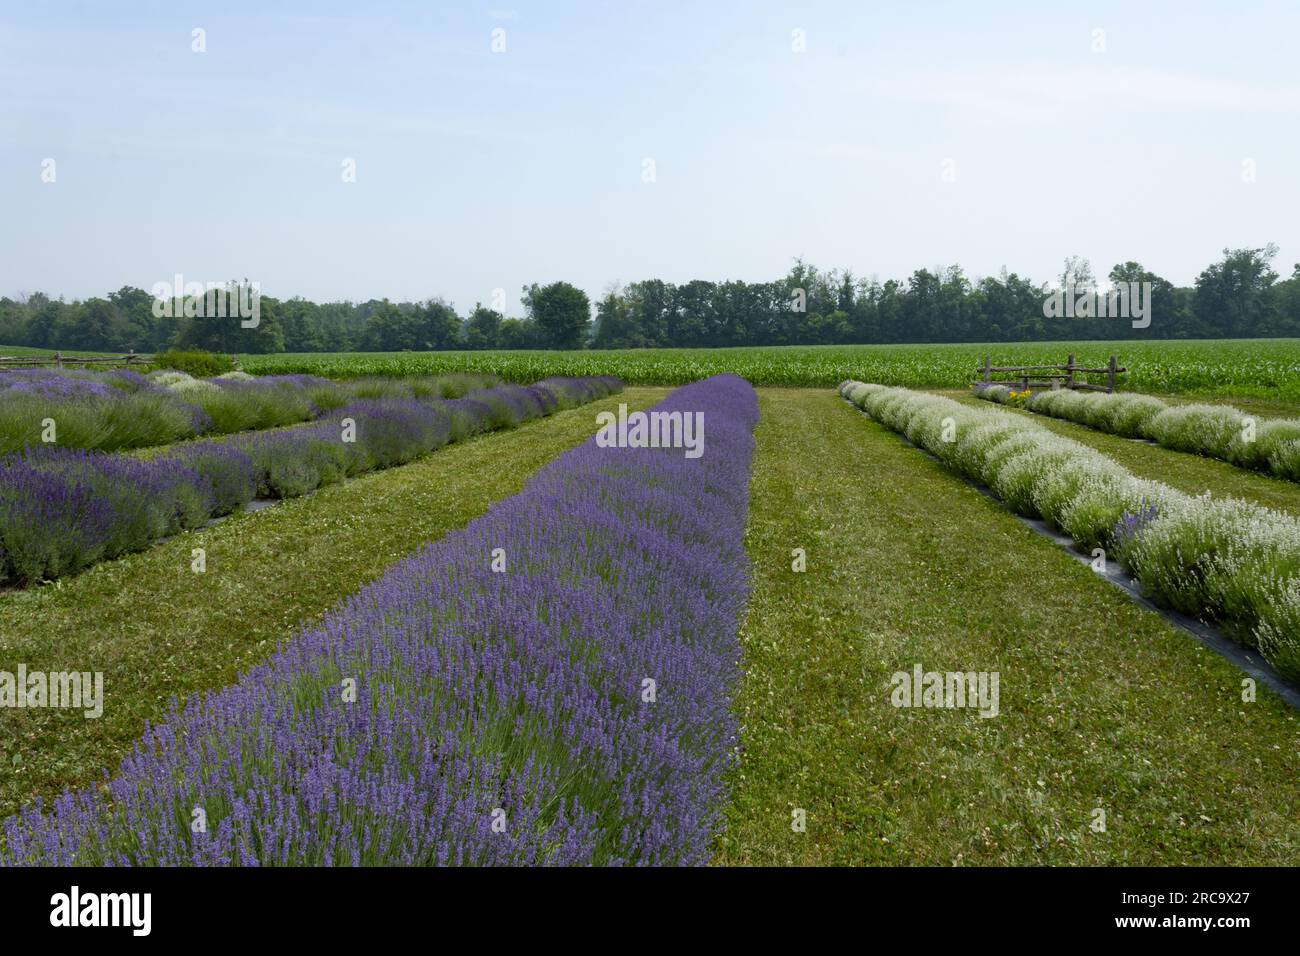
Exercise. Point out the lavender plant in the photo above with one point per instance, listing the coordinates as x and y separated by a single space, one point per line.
121 409
62 510
1216 431
1228 561
571 706
108 412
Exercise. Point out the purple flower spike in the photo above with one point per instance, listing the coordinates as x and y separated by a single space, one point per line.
551 684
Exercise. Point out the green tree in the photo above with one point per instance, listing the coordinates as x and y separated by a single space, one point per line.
13 322
520 334
1167 307
392 329
214 321
483 330
441 325
301 323
136 326
1234 296
616 326
562 313
694 308
1287 295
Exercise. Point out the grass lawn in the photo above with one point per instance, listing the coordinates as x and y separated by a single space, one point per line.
157 629
1193 474
1102 704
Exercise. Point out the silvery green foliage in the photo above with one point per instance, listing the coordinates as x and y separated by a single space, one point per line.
1216 431
998 394
1224 560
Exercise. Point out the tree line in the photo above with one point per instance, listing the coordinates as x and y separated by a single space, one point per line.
1239 296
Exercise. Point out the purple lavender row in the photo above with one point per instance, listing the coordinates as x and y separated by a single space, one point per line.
62 510
120 409
550 685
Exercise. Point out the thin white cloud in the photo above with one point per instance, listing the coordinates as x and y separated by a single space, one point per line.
1037 90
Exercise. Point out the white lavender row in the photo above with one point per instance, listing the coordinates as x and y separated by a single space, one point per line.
1216 431
1226 561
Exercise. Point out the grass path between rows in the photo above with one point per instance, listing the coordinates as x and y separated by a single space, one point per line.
1193 474
157 629
1102 704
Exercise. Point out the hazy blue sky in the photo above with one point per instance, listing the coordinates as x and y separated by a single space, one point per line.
477 170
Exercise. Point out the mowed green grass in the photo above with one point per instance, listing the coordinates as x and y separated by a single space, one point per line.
1267 369
1103 705
156 629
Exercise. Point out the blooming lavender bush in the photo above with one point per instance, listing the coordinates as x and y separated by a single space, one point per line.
571 392
89 410
236 405
571 709
228 472
452 385
1131 522
62 510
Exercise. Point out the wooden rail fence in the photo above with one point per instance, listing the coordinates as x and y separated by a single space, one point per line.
1060 376
59 360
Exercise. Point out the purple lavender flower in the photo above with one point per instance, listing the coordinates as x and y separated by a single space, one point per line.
52 384
1132 522
573 708
62 509
228 472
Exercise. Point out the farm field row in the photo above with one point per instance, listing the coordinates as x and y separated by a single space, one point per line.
1222 431
484 701
158 630
1261 375
1189 473
1103 705
1222 560
121 409
1261 368
68 508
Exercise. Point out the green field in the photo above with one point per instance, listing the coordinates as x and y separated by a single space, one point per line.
1261 368
1104 705
1228 368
